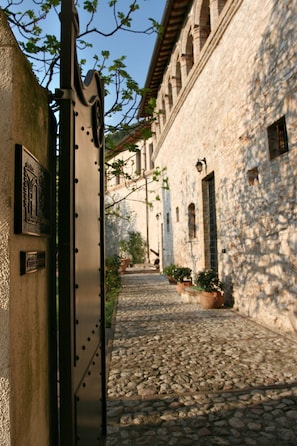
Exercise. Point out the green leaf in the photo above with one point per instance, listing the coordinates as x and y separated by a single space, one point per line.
90 5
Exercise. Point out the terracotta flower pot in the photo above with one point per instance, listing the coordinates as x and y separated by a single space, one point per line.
171 280
210 300
181 285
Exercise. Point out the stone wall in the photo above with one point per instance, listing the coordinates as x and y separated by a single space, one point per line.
243 81
24 300
217 104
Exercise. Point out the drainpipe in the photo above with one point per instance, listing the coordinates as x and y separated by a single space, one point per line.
146 209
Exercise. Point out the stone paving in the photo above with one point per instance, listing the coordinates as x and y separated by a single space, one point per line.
181 375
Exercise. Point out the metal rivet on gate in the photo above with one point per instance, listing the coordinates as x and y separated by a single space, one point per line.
76 215
84 384
82 128
93 331
76 146
77 321
76 180
89 373
89 339
88 132
76 113
76 285
76 250
77 357
96 162
83 347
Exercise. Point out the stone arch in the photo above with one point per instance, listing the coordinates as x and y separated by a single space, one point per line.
203 21
170 95
178 77
163 111
189 53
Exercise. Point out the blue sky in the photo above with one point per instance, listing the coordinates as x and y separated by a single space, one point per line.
137 47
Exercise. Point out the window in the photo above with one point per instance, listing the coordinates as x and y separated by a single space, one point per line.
277 138
253 176
178 78
163 111
138 162
189 53
167 222
170 99
151 151
192 221
177 214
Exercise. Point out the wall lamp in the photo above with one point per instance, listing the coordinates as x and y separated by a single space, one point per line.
199 164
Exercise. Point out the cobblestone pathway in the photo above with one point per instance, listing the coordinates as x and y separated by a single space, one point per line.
181 375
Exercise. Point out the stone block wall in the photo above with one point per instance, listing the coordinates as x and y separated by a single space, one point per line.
248 83
243 79
222 114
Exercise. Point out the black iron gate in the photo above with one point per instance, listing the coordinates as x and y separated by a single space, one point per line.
82 402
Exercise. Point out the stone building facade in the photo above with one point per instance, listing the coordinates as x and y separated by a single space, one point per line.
224 77
133 196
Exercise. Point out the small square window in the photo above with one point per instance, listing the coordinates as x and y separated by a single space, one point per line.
253 176
277 138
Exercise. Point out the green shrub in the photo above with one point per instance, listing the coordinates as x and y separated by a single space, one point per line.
169 269
208 280
136 247
112 286
181 273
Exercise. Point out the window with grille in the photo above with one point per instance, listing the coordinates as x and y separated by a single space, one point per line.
277 138
192 221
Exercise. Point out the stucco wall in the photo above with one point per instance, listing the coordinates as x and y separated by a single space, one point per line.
135 204
24 351
248 82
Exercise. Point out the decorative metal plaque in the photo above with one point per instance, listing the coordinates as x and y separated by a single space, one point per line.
32 195
31 261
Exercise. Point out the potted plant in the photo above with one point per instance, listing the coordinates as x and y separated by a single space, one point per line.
182 275
210 287
168 272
